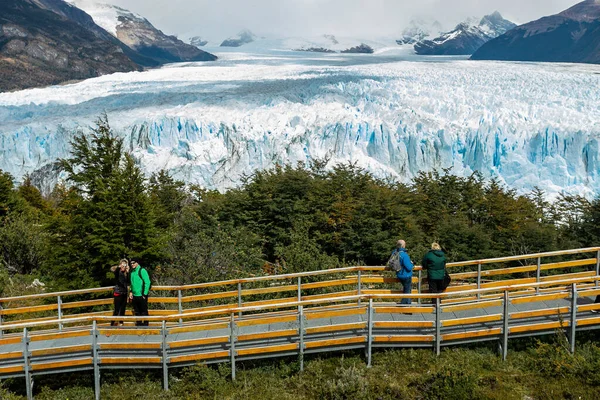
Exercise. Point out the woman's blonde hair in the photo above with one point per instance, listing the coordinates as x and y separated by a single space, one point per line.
435 246
115 267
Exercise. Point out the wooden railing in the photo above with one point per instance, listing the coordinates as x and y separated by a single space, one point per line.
163 347
315 285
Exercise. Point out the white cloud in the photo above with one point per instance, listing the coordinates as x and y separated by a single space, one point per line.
368 18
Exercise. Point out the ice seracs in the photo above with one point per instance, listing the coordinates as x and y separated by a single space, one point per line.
211 124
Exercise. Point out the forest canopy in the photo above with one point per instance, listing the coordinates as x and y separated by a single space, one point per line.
287 219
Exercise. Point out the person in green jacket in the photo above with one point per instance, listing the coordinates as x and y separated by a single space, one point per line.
140 287
434 263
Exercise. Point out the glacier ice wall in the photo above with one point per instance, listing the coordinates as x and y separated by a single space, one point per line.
525 124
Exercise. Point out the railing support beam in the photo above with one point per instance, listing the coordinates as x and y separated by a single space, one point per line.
95 360
232 339
299 288
26 366
438 326
165 356
478 280
597 265
239 285
419 286
358 286
369 332
538 274
59 302
505 329
180 306
301 337
573 330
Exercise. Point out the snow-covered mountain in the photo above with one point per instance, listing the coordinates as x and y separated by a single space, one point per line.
525 124
197 41
45 42
420 29
242 38
467 37
139 34
570 36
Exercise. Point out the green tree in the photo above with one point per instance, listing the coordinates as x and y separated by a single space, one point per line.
108 215
167 197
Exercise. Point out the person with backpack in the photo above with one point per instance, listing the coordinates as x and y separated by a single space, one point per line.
121 272
140 287
434 263
401 264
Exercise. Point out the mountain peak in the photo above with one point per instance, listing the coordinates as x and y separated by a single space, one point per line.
139 34
570 36
586 11
466 37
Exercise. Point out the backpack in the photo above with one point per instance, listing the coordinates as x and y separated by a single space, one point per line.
140 268
394 262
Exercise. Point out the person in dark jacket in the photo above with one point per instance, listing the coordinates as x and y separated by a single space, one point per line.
434 263
121 272
406 273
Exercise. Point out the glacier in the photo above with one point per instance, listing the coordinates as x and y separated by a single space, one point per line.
393 114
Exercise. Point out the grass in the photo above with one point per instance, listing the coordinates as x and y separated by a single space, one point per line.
539 369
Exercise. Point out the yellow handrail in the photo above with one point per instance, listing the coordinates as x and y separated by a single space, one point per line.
304 274
295 304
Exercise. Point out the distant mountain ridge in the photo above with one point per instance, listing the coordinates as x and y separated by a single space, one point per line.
466 37
139 34
570 36
419 29
46 42
242 38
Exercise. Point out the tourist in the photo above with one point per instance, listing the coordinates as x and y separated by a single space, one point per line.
434 263
140 287
401 264
121 272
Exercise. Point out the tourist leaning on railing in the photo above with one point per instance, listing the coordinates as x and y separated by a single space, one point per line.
401 264
434 263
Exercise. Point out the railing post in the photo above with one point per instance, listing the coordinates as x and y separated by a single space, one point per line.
369 332
478 280
60 325
299 288
419 287
179 306
438 326
538 274
301 337
26 367
165 356
95 360
597 265
505 318
232 345
1 317
573 316
359 291
240 298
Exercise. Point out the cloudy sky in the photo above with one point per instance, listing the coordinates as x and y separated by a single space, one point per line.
366 18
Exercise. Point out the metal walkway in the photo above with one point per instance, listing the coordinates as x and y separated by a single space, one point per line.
367 319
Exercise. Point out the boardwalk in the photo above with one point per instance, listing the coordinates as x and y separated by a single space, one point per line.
367 317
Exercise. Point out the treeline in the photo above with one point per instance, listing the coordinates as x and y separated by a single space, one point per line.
287 219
